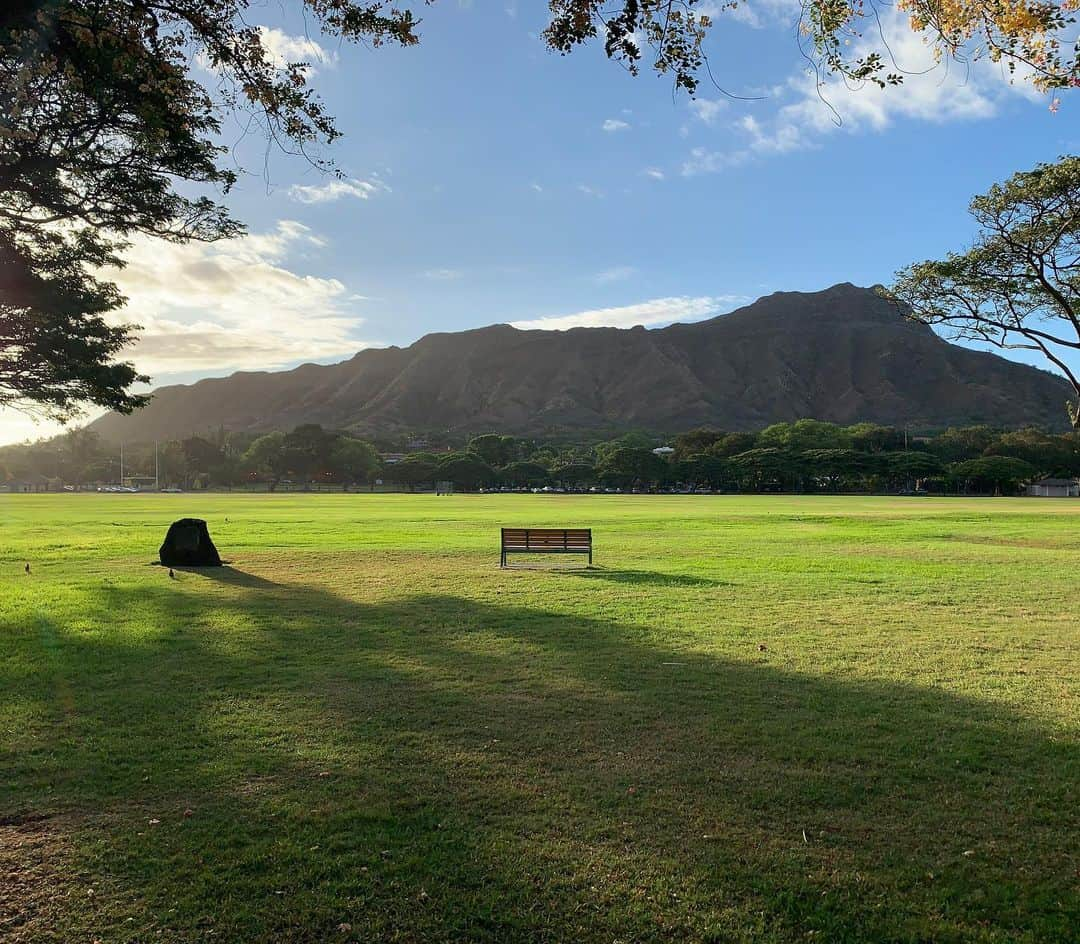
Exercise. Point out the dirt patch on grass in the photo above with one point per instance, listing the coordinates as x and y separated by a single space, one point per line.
35 879
47 893
995 541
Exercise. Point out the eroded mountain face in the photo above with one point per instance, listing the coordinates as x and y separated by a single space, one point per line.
843 354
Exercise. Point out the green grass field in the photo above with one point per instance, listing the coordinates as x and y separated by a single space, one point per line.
755 719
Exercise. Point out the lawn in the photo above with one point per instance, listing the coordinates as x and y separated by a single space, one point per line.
755 719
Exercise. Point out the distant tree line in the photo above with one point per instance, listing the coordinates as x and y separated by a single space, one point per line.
804 456
309 454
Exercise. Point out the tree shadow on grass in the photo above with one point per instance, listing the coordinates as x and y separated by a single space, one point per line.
436 769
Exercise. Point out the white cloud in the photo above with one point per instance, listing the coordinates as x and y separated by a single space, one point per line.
615 124
535 186
653 312
707 109
443 275
614 274
757 14
284 49
589 191
654 172
704 161
744 13
218 307
931 92
781 137
233 304
336 189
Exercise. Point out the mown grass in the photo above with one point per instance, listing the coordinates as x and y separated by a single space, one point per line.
756 719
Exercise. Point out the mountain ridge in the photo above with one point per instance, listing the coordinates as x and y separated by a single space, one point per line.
843 354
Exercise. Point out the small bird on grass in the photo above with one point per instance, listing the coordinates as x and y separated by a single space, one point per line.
172 573
27 568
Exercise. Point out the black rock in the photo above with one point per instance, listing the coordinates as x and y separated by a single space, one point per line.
188 544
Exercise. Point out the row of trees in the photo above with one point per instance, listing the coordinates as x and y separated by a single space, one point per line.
1049 453
807 455
307 454
767 469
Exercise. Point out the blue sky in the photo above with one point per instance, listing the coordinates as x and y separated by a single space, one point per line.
489 180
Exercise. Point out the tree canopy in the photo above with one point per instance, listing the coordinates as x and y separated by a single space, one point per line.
999 472
1018 286
1027 36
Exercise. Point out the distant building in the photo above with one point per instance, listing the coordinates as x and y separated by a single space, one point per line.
391 458
33 483
1055 488
141 482
663 451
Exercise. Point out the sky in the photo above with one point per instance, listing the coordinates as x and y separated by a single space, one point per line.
489 180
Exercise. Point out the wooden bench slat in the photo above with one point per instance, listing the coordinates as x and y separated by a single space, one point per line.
546 541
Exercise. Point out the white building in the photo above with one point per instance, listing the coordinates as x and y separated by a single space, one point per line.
1055 488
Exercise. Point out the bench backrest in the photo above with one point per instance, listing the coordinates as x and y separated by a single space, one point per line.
547 538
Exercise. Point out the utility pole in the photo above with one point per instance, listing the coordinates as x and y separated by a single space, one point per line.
121 463
157 484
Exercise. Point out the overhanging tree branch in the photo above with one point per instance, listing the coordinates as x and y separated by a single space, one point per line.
1020 278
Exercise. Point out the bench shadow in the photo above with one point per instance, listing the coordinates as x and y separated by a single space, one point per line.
548 566
651 578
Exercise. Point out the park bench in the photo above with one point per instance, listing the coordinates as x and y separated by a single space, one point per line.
546 541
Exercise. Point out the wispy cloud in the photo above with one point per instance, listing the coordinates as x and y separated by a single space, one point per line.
336 189
757 14
615 124
654 173
707 109
443 275
653 312
589 191
614 274
704 161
